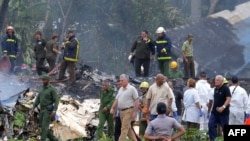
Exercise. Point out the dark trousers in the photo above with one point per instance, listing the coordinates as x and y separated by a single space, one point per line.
189 67
215 120
118 126
40 66
13 64
52 62
71 68
142 62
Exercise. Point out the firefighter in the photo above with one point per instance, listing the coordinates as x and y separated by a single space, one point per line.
40 53
174 71
70 57
48 100
106 100
163 48
10 46
143 108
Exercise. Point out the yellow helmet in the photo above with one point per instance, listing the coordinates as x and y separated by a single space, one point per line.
225 81
144 84
173 64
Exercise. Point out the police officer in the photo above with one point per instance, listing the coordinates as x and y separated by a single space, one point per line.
163 48
71 55
10 46
106 101
48 100
40 53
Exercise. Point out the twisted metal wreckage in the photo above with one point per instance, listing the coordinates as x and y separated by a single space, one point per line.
77 114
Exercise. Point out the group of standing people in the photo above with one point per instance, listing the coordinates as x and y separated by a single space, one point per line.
144 49
44 51
155 106
211 106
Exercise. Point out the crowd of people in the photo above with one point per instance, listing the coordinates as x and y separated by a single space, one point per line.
163 108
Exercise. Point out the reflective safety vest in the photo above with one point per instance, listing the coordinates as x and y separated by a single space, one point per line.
163 47
71 51
10 46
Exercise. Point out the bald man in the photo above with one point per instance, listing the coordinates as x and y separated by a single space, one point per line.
159 92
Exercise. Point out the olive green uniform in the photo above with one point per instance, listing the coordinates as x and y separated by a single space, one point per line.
106 100
50 54
175 74
46 98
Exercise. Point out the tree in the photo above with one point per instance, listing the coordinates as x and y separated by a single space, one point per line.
3 12
213 4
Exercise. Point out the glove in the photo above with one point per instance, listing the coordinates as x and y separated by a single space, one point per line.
129 57
208 116
200 113
247 116
175 115
163 50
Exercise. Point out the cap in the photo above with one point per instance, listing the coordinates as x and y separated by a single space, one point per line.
45 76
190 36
235 79
39 33
70 31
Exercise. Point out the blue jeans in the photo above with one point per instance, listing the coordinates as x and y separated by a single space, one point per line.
152 117
214 120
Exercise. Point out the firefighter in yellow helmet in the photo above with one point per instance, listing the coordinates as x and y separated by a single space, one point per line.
144 86
174 71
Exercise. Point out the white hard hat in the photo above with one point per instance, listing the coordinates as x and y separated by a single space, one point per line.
160 30
9 28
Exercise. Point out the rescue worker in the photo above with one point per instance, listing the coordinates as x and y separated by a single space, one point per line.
188 59
203 88
174 106
163 48
52 51
143 108
142 48
174 71
106 101
70 57
40 54
191 102
238 103
48 100
10 47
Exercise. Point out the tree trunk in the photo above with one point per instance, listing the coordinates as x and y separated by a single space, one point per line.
195 10
213 4
3 12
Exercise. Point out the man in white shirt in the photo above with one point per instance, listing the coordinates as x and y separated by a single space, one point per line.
238 104
203 88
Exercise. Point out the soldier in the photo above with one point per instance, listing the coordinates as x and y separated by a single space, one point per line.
48 100
40 53
106 101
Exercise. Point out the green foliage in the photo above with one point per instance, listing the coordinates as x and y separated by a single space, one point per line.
19 119
194 135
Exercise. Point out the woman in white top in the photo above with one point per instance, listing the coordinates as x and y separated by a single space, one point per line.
192 112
